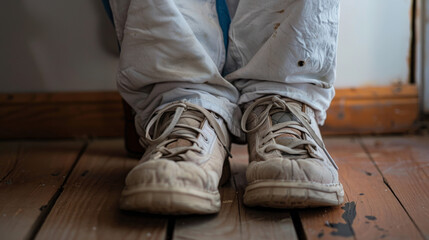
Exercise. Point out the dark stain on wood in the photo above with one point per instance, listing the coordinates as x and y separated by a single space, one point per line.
372 218
379 228
84 173
321 233
367 173
349 215
384 231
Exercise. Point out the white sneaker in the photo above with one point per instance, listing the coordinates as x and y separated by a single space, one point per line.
289 164
186 147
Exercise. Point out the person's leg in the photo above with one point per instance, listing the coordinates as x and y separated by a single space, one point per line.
282 57
172 53
173 50
285 47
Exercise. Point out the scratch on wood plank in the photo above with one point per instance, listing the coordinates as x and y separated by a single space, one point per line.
18 152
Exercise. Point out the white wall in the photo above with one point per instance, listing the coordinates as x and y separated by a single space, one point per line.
374 42
49 45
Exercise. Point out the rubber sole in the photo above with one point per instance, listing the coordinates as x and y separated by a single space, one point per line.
169 200
281 194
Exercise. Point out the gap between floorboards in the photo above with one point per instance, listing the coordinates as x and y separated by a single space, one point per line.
366 150
45 210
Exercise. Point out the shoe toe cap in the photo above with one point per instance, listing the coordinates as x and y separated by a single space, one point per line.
168 173
283 169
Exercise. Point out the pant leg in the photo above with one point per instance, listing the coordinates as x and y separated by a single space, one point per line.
173 50
119 11
285 47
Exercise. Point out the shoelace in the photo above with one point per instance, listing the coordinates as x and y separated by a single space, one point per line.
282 128
176 130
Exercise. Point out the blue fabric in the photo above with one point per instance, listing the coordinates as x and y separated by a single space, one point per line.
224 19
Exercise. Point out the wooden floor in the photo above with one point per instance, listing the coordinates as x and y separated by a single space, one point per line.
70 190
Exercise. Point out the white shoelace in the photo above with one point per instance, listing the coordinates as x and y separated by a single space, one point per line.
303 126
176 130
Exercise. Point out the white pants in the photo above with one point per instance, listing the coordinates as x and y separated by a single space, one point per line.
174 49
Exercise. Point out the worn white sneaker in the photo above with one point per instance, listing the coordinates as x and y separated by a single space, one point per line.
186 147
289 164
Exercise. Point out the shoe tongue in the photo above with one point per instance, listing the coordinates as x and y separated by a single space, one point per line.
278 116
185 120
281 117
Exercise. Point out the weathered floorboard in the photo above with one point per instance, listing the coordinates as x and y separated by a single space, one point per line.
89 206
31 174
404 163
236 221
224 225
259 223
371 210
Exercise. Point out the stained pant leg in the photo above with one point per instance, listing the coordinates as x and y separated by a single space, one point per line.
285 47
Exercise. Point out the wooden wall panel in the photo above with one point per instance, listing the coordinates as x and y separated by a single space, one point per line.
61 115
100 114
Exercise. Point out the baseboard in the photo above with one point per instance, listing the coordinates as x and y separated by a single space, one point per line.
362 110
61 115
373 110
